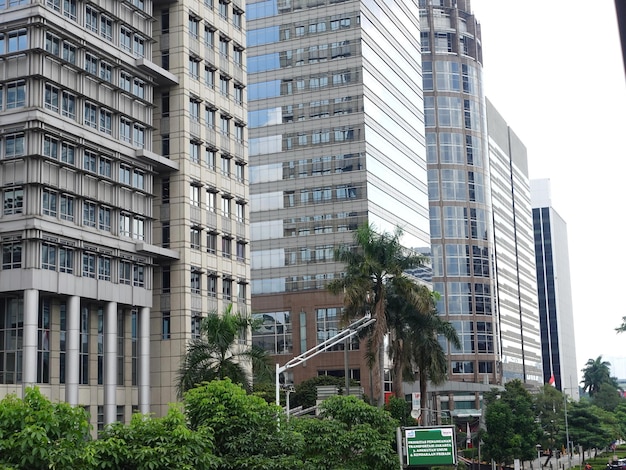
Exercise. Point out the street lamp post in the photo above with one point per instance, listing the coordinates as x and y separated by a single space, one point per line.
345 334
569 455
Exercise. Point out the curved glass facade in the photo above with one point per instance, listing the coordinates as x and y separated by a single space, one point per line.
458 187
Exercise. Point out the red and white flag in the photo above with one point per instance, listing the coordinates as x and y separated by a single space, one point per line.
468 439
552 381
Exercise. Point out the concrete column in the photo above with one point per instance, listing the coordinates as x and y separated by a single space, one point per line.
72 350
110 362
144 360
29 351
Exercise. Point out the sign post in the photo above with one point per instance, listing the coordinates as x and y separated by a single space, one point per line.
427 446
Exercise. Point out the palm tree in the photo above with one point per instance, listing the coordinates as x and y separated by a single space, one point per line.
431 359
217 354
374 265
595 373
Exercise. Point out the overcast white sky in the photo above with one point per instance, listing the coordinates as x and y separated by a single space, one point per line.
553 69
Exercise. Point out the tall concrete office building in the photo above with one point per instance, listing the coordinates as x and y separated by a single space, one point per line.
336 140
516 277
112 206
554 291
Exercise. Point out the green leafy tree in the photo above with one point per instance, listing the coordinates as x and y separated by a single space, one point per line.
349 435
374 265
248 432
36 433
217 354
149 443
607 397
590 426
595 373
512 432
427 353
400 410
548 408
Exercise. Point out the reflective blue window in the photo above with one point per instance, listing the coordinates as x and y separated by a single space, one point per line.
261 9
264 117
257 37
264 62
262 90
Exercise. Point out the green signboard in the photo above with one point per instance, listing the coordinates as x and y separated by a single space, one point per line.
430 445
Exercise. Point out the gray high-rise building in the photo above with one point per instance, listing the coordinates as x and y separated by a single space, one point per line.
124 195
336 140
554 291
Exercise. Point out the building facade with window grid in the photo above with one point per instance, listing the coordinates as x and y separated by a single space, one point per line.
95 175
336 139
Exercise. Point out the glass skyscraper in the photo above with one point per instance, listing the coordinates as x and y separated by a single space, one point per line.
337 139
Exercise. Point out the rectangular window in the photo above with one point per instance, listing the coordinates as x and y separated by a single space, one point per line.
211 243
51 98
14 145
68 105
138 275
12 255
89 214
48 256
227 289
125 272
49 202
51 147
106 72
166 331
16 95
125 39
212 286
139 88
67 207
13 201
139 136
194 195
125 81
241 251
196 321
106 120
91 115
139 179
69 52
69 9
124 227
66 260
195 281
89 265
194 67
125 125
90 160
104 268
91 63
68 152
139 228
104 219
195 238
104 167
226 247
106 28
139 46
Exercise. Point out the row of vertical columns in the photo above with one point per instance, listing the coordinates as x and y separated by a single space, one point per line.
72 357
